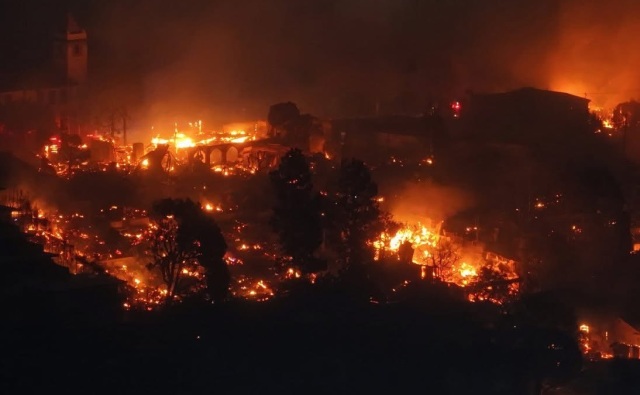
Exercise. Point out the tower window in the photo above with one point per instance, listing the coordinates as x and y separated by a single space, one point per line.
77 49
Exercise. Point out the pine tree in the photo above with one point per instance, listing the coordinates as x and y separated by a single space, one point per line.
356 216
296 215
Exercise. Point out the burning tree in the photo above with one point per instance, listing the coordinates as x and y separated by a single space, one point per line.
356 218
185 238
167 255
296 215
442 258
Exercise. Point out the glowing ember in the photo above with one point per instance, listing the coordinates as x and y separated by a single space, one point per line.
467 271
194 136
180 141
442 257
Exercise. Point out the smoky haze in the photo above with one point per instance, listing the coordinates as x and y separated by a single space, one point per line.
595 51
421 202
229 60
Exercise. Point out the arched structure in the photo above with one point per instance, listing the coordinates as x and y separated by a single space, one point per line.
212 155
254 154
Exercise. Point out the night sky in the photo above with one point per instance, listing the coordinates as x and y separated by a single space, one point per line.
222 57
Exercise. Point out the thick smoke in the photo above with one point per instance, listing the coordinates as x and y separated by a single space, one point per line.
594 54
229 60
427 202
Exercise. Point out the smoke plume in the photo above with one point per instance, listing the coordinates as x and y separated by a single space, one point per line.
427 201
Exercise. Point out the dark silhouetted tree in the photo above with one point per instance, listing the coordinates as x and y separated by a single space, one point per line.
442 258
356 218
281 115
296 215
187 237
167 256
212 250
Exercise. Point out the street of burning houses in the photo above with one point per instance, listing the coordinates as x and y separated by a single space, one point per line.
500 228
92 205
81 246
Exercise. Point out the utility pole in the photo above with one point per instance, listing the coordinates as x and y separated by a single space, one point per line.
112 124
625 130
175 137
125 117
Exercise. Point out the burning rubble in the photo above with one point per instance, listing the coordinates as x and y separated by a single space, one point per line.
445 258
228 151
117 244
252 257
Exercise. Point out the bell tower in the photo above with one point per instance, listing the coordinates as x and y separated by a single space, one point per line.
70 52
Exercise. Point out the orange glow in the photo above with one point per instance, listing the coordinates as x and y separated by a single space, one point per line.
194 136
429 248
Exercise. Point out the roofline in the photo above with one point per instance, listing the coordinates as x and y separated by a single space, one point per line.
530 89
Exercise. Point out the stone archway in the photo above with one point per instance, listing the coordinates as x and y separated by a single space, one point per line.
232 155
216 157
199 155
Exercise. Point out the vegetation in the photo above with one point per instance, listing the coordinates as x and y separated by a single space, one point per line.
355 217
185 238
296 217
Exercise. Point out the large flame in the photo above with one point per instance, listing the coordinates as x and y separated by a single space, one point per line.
431 248
193 136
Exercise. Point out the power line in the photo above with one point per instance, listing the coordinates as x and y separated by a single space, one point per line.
613 93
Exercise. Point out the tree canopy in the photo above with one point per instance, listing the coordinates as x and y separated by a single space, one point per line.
296 216
356 219
187 236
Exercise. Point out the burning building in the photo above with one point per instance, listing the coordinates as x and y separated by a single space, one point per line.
607 336
446 258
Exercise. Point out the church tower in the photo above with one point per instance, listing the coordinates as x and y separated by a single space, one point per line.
70 52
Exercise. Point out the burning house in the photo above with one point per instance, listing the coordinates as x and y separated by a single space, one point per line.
607 336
